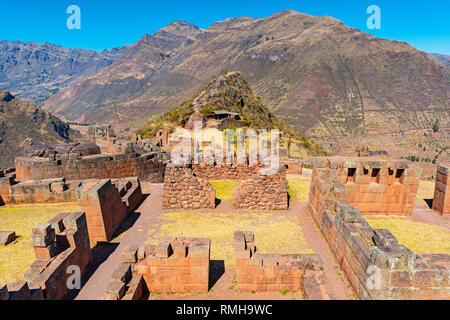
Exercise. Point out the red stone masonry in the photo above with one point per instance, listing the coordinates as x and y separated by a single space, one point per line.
376 186
441 200
262 192
176 265
293 166
274 272
20 291
107 204
6 179
73 167
59 244
37 191
375 264
184 190
210 170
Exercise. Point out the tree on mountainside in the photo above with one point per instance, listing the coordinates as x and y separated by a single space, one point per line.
436 126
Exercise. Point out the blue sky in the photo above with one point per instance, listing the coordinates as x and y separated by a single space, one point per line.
113 23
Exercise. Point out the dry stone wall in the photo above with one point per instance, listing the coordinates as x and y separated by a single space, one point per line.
262 192
184 190
149 166
60 243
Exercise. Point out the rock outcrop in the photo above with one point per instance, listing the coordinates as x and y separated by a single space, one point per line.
23 123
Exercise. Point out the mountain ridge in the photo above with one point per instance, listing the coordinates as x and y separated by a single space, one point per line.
320 76
35 71
444 59
23 123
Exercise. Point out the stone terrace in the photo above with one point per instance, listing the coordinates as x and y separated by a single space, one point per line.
373 261
182 265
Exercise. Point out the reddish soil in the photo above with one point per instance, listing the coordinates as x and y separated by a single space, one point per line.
423 213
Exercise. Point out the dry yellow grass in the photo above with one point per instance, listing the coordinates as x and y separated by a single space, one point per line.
425 191
16 258
417 236
274 232
224 188
298 186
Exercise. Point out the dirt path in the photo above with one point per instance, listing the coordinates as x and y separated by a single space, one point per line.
320 247
423 213
146 217
107 256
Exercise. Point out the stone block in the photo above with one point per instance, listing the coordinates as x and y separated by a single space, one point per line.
163 250
199 251
179 251
43 240
129 255
349 213
116 289
122 273
48 252
383 237
6 237
141 253
41 229
393 257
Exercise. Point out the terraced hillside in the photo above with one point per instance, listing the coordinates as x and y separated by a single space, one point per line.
317 74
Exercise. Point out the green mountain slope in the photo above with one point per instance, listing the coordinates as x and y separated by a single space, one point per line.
231 92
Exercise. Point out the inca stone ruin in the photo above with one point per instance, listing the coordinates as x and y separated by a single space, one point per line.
114 191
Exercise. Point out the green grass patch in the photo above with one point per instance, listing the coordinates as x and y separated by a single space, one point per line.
224 188
298 187
425 191
274 233
16 258
422 238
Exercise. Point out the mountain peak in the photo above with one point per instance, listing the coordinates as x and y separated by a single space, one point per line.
230 96
26 123
317 74
287 11
6 96
180 28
